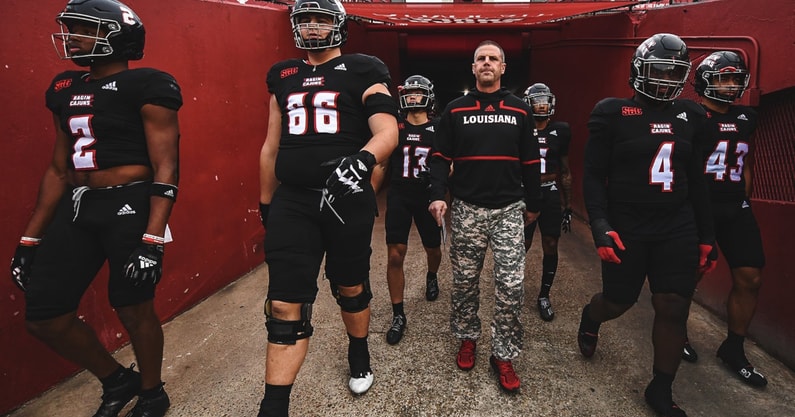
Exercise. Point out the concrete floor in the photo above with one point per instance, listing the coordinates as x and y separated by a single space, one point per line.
214 355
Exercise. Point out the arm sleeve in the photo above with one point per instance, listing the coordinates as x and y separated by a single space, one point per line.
441 157
598 149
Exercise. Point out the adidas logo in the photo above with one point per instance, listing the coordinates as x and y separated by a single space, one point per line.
745 204
430 129
341 67
682 116
169 193
554 132
125 210
742 117
110 86
146 262
489 108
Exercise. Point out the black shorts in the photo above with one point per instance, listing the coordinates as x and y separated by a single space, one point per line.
551 215
404 204
738 234
109 226
669 264
299 234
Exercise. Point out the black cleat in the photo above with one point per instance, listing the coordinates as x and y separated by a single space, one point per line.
545 309
116 397
741 367
431 287
151 407
662 403
688 353
587 342
395 333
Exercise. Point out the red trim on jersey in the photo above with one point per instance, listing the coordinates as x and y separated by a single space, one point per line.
473 108
503 106
486 158
531 162
441 155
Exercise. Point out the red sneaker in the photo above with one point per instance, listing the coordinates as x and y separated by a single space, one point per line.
465 359
507 377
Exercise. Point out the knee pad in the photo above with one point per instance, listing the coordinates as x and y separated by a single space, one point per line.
286 332
356 303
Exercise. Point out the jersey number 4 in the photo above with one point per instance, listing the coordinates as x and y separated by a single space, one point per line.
325 113
716 163
660 171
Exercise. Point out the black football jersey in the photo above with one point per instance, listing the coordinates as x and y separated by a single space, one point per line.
553 143
410 158
640 165
104 116
322 113
728 141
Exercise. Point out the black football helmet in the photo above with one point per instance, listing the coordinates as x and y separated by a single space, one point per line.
539 94
718 68
338 29
120 33
410 86
660 67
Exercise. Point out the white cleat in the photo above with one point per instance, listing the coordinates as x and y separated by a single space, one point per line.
361 385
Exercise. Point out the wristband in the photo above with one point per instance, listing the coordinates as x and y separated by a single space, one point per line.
29 241
164 190
152 239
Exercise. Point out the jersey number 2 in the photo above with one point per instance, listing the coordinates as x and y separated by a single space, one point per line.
84 157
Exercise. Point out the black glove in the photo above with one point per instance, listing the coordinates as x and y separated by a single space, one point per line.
565 223
350 174
20 265
145 265
263 214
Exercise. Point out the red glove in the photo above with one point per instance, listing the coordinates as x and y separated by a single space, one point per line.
707 260
607 253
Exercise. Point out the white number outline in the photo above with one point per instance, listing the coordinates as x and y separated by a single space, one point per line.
83 158
325 115
661 170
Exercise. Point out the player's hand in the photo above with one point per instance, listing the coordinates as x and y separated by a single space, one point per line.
606 240
707 259
565 223
263 214
145 265
350 174
438 208
20 265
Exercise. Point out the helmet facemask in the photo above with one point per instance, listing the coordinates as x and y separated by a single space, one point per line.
337 29
105 29
660 79
726 84
547 100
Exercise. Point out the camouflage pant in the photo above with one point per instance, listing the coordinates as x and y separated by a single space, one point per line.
473 229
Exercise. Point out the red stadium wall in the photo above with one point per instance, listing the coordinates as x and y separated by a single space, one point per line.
219 51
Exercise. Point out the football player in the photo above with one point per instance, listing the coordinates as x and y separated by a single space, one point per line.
495 188
106 196
647 202
553 142
721 78
407 197
331 120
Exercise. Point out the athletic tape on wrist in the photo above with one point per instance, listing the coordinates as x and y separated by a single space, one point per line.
29 241
164 190
153 239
